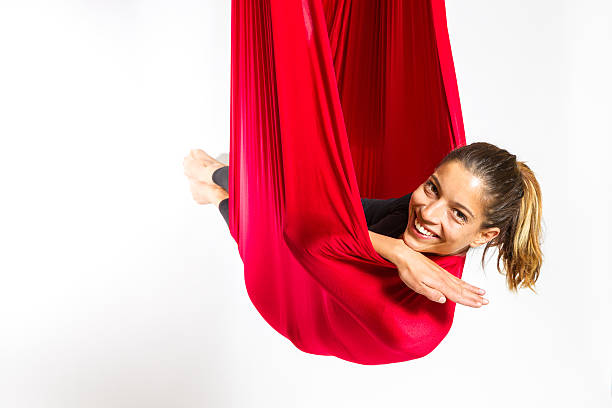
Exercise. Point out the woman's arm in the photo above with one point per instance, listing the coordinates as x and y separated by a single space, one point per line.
423 275
387 247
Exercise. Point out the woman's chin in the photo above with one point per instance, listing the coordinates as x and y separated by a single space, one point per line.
418 246
411 242
414 243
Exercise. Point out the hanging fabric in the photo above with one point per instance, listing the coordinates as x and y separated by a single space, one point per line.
333 100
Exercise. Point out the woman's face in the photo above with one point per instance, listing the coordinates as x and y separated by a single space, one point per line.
447 205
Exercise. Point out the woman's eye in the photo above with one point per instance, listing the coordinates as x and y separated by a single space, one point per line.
431 186
461 215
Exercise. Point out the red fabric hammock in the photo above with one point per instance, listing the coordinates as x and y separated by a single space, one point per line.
333 100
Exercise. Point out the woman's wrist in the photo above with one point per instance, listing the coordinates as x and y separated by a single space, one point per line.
394 250
401 252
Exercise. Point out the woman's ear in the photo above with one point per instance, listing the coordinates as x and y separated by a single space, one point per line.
485 236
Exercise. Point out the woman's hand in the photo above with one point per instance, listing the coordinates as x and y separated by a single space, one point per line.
426 277
423 275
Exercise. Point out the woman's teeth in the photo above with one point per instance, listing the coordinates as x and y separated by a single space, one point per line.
421 229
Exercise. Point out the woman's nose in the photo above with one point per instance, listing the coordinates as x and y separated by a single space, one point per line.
431 212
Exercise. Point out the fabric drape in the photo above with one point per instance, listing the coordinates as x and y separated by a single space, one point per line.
333 100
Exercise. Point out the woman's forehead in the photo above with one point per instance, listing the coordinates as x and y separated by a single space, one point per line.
459 185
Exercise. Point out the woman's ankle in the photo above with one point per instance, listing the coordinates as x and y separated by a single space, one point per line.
222 195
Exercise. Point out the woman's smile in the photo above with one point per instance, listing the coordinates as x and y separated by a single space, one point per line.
419 230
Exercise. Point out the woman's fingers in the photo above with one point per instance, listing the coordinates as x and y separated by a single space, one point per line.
467 297
468 286
430 293
461 282
463 294
472 291
455 292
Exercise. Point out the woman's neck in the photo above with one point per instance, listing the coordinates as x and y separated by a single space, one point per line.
462 252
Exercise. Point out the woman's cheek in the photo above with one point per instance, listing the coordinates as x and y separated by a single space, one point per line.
450 235
456 237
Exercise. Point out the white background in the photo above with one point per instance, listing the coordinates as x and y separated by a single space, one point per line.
118 290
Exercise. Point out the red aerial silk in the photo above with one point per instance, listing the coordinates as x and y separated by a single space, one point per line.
333 100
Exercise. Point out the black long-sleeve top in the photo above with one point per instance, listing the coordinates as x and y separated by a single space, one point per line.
387 216
384 216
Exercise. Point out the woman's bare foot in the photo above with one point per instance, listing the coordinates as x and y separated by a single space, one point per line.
200 166
205 193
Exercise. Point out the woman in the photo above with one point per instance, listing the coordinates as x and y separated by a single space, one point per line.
478 195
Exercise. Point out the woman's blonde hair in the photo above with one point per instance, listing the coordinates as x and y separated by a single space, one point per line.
513 203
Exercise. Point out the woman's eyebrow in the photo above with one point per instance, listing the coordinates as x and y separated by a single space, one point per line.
452 202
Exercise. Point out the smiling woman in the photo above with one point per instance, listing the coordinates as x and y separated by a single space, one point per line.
323 113
478 195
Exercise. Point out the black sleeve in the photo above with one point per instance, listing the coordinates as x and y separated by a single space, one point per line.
376 209
381 215
386 217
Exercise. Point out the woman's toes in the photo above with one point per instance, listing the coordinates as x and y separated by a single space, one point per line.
209 165
201 155
204 193
196 170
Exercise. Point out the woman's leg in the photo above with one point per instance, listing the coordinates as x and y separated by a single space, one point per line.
220 178
375 209
224 210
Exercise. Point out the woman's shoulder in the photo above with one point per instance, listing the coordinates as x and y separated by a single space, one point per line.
402 202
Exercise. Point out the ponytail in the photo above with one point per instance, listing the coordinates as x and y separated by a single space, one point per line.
521 252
